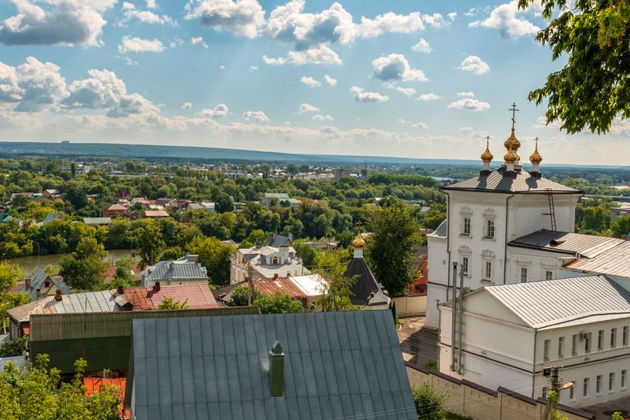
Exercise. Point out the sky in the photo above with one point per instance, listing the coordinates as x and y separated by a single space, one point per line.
421 79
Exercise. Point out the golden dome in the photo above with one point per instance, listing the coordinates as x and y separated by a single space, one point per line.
512 142
358 241
510 156
487 156
535 157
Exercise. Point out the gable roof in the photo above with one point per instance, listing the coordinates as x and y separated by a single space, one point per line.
196 295
517 182
336 364
365 289
97 220
567 242
174 270
614 261
276 241
552 303
39 277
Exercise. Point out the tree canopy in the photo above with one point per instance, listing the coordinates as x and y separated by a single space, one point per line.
593 87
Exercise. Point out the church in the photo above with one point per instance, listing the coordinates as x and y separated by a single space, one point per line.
509 226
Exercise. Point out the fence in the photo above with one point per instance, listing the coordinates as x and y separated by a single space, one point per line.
469 399
411 305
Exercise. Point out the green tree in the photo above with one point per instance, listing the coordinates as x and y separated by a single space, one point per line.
621 226
595 219
429 402
14 348
395 232
593 87
124 274
84 269
10 274
278 304
239 296
332 266
215 256
149 243
306 252
224 203
169 304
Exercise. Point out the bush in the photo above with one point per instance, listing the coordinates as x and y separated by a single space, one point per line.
429 402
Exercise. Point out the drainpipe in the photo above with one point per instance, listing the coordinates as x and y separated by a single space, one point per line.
460 321
453 318
507 202
448 241
534 365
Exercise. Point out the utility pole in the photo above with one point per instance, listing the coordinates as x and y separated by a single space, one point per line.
554 381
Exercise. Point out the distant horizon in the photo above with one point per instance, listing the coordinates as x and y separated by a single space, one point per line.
423 80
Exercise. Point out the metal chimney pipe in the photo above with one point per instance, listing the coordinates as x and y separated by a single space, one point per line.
276 370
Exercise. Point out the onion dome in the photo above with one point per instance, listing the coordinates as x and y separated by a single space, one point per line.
535 158
512 142
358 241
510 156
487 156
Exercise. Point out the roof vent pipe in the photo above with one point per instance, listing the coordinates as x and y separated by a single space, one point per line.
276 371
156 286
58 296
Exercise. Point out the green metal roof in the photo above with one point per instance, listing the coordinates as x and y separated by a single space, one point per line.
337 365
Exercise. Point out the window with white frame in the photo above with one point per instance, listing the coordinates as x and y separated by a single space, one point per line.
624 373
613 337
598 384
624 338
611 381
585 387
489 229
548 275
572 391
600 340
487 275
465 265
574 339
587 343
523 274
546 345
560 347
466 226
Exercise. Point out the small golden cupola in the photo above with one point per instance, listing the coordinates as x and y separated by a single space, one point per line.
486 157
358 241
535 159
512 145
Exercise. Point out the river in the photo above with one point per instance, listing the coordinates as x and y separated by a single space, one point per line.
30 264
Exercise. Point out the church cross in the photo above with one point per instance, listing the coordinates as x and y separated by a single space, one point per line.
514 110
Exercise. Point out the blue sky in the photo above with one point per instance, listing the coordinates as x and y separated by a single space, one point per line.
398 78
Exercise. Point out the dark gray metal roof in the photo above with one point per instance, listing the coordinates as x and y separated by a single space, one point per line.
567 242
517 182
177 270
39 277
337 365
365 289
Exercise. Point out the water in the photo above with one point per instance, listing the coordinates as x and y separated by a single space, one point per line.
30 264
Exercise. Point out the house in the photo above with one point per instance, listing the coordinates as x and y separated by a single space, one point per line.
155 214
41 285
115 210
276 241
621 209
181 271
196 296
269 199
50 192
49 218
97 221
141 202
366 291
490 217
507 335
276 366
265 262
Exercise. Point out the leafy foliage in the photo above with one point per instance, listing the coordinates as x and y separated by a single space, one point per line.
14 348
332 266
84 268
168 304
215 256
593 87
429 402
149 243
278 304
10 274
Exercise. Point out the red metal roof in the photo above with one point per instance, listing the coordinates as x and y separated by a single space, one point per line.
116 207
93 385
155 213
198 296
284 285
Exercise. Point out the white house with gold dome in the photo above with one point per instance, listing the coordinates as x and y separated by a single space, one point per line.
500 228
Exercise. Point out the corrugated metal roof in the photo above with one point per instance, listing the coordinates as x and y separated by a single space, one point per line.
519 182
546 303
282 285
442 229
614 261
336 365
101 301
197 296
567 242
97 220
177 270
311 285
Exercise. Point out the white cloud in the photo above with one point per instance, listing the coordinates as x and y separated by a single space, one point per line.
220 110
390 22
329 80
198 41
186 105
306 108
40 85
422 47
316 55
254 116
323 117
419 125
10 90
466 94
452 15
407 91
135 44
395 67
505 19
239 17
151 4
429 97
177 42
435 20
361 95
253 68
54 22
309 81
471 104
474 64
130 12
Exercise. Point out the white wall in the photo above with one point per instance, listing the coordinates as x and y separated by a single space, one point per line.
537 263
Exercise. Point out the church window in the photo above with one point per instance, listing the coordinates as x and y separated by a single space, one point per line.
523 274
488 270
465 265
490 229
466 230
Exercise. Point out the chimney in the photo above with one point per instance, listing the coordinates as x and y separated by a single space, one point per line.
58 296
156 286
120 289
275 276
276 370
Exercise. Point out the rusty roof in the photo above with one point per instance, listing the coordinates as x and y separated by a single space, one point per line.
614 261
197 295
566 242
284 285
155 213
516 182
